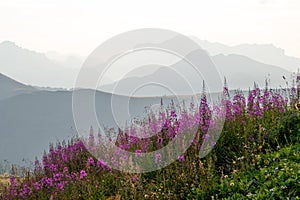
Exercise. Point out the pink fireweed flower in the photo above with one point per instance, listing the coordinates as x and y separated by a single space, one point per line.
64 157
139 152
74 176
37 165
181 158
90 161
37 186
25 192
13 192
47 182
13 182
135 178
60 186
83 174
101 164
57 177
53 167
173 114
65 170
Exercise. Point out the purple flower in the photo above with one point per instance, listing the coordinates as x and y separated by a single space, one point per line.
57 177
138 151
173 114
83 174
13 192
37 186
25 192
181 158
101 164
90 161
53 167
60 186
13 182
64 157
135 179
66 170
74 176
49 182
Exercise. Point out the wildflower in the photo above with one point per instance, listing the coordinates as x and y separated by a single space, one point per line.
13 182
74 176
60 186
64 157
25 192
65 170
181 158
53 167
101 164
83 174
14 192
57 177
90 161
173 114
135 178
138 151
49 182
37 186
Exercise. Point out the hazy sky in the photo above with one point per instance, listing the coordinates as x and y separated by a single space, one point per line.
77 27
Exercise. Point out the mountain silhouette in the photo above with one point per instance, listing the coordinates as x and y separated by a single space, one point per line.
265 53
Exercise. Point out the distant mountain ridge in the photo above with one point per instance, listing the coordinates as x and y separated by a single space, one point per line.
241 72
61 72
34 68
265 53
10 87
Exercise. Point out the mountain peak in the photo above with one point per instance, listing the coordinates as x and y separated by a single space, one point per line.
8 43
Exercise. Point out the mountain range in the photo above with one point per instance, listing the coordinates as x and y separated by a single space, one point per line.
264 53
35 68
241 73
51 69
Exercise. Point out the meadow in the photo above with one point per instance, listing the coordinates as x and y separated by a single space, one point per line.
257 155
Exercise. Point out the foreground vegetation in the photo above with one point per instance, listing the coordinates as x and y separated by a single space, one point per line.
256 157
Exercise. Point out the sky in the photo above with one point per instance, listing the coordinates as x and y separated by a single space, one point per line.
78 27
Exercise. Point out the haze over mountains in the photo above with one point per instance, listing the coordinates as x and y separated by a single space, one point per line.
240 71
35 68
264 53
54 70
10 87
